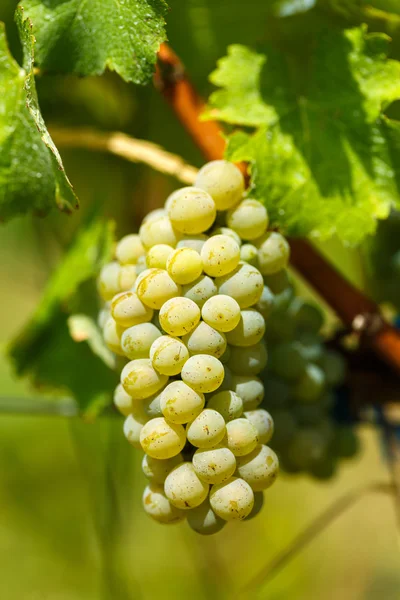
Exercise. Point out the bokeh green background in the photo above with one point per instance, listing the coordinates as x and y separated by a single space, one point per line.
71 524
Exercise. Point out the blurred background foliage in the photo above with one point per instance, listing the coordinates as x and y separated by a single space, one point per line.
71 525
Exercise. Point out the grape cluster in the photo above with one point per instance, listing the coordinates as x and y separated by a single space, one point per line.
302 383
184 303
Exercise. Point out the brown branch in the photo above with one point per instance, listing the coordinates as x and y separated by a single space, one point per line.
352 306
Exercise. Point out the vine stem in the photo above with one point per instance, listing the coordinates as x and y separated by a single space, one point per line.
356 310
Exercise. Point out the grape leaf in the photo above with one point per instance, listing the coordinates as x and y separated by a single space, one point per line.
322 157
87 36
32 175
65 352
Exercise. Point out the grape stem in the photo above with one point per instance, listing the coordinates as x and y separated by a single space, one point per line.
356 310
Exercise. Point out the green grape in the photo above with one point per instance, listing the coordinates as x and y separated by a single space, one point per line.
228 404
223 181
258 504
242 436
250 389
346 443
158 507
220 255
112 333
154 215
127 310
311 346
232 500
310 385
203 373
279 282
191 210
306 448
123 401
306 316
200 290
262 421
229 232
285 427
183 488
203 520
245 285
273 253
157 256
136 341
266 302
108 283
248 361
161 439
280 327
180 403
206 430
249 331
287 361
249 254
249 219
179 316
277 392
127 277
151 406
205 340
129 249
334 367
214 465
184 265
259 468
156 470
140 380
196 242
221 312
168 355
156 287
158 231
133 426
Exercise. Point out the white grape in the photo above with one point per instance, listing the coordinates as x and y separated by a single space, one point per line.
259 469
156 470
127 310
183 488
232 500
207 429
157 256
221 312
242 436
179 316
196 242
223 181
203 373
108 283
180 403
273 253
154 215
200 290
245 284
123 401
136 341
220 255
129 249
250 389
158 507
151 406
266 302
192 210
248 361
112 333
140 380
161 439
229 232
249 254
204 339
141 265
168 355
263 422
228 404
184 265
214 465
203 519
127 277
249 331
156 287
249 219
133 425
158 231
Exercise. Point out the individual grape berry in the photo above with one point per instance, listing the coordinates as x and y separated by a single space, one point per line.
123 401
161 439
180 403
154 215
262 421
273 253
220 255
311 384
249 254
200 290
203 519
196 242
179 316
228 404
249 219
204 339
203 373
250 389
112 333
127 310
214 465
157 470
133 425
156 287
151 406
129 249
140 380
266 302
191 210
158 507
136 341
242 436
223 181
183 488
184 265
157 256
232 500
259 468
158 231
206 430
221 312
127 277
229 232
287 361
248 361
249 331
245 285
108 283
140 266
168 355
306 316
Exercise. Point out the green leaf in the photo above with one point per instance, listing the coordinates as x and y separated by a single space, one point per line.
323 157
63 352
32 176
88 36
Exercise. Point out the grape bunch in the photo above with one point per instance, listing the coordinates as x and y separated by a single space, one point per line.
184 302
303 385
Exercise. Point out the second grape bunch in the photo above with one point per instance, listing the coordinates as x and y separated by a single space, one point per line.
183 303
